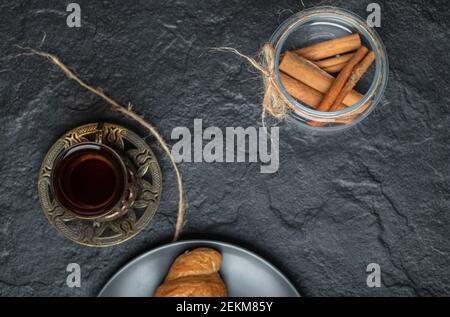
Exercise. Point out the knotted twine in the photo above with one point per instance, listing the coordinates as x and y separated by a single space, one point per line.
274 101
127 112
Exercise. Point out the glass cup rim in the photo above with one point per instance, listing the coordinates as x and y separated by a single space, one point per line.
379 81
123 168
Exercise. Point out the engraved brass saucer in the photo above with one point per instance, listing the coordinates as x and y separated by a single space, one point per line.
96 233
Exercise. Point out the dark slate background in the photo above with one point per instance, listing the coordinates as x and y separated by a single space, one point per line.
376 193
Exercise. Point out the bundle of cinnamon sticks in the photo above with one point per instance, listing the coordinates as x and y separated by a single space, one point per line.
306 72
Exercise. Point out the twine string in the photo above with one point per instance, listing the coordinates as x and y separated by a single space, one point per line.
275 101
127 112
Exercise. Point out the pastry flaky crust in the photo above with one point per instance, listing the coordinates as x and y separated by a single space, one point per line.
194 274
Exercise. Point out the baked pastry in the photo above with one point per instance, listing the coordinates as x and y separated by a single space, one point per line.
194 274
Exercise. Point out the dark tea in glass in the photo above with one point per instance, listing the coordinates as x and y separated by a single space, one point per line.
90 179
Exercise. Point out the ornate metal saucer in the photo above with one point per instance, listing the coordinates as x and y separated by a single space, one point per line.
102 234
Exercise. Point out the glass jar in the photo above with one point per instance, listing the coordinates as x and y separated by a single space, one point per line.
321 24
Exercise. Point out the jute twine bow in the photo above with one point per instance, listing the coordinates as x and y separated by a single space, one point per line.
127 112
275 101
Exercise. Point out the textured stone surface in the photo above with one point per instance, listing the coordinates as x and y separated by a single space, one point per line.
376 193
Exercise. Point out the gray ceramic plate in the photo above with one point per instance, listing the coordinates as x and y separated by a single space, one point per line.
245 273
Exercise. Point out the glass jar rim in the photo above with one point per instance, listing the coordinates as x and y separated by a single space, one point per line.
379 81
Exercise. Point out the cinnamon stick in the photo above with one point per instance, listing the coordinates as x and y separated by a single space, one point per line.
300 91
330 48
355 76
311 75
341 79
335 68
334 60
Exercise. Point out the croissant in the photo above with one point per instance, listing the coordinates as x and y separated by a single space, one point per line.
194 274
